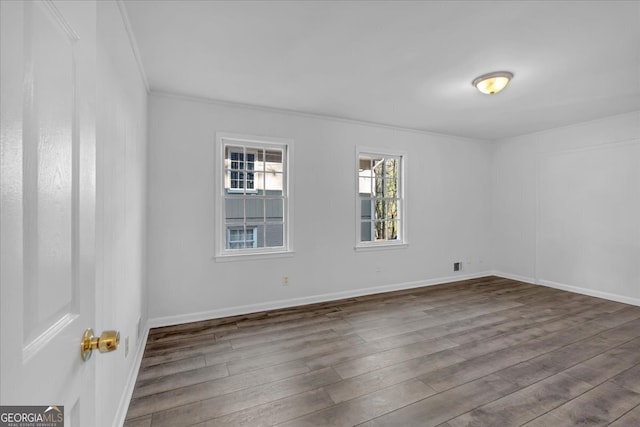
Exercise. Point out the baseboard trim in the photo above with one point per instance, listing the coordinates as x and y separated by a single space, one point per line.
569 288
293 302
125 400
591 292
524 279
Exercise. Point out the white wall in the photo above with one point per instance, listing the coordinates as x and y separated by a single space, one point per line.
566 207
448 196
121 114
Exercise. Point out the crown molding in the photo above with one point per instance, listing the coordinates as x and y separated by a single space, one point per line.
132 41
328 117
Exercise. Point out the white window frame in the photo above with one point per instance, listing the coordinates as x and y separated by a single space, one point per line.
401 241
222 253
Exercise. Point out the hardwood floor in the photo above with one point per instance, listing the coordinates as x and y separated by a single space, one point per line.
483 352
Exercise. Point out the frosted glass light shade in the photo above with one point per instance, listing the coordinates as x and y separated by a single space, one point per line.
492 83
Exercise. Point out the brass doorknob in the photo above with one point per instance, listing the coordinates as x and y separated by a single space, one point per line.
106 342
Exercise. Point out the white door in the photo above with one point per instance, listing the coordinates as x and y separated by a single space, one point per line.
48 58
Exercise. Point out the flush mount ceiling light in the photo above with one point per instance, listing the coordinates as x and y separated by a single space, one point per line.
492 83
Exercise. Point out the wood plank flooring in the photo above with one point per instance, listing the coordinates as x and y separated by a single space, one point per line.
483 352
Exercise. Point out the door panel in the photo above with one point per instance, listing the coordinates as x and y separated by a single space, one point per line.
48 153
48 204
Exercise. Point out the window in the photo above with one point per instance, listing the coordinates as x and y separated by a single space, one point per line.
253 195
379 206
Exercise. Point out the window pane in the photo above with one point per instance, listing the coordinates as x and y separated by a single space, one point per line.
379 186
234 210
391 188
254 209
364 185
379 209
379 230
258 181
391 167
273 182
258 241
378 166
250 181
274 209
365 231
365 209
241 237
392 209
234 181
250 161
240 163
251 237
391 230
273 169
234 158
273 158
274 236
364 164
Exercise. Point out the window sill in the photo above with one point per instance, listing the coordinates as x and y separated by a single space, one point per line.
381 247
253 256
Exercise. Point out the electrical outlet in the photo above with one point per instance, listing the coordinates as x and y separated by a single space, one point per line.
457 266
285 280
126 346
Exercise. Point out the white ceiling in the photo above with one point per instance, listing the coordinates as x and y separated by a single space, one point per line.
407 64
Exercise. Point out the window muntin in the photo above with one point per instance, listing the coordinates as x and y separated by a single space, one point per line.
380 199
253 196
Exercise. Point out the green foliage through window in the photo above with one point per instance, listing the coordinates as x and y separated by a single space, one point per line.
379 180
